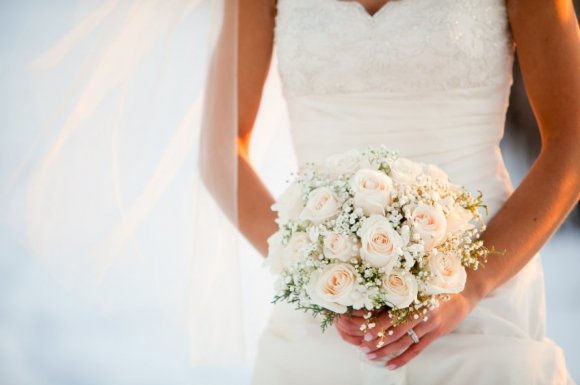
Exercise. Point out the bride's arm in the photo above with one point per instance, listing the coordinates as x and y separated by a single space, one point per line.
547 38
255 45
548 47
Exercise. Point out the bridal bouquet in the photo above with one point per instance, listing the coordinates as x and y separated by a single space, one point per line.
372 230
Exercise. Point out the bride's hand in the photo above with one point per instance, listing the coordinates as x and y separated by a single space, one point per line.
439 322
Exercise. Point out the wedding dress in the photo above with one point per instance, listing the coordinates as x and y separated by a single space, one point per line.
431 79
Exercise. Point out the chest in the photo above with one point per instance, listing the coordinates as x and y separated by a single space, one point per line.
327 46
371 6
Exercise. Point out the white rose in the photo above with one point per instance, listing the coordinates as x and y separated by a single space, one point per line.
289 205
372 190
345 163
430 223
448 275
401 288
458 219
295 247
406 171
338 246
381 244
275 258
456 188
332 287
436 173
321 205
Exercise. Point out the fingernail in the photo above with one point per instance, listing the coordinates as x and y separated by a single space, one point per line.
365 349
391 366
368 337
371 356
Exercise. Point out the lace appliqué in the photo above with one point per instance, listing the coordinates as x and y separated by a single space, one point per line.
333 46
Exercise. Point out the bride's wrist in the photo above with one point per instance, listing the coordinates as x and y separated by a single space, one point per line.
474 292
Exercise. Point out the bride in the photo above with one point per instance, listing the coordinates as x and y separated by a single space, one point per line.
106 186
430 78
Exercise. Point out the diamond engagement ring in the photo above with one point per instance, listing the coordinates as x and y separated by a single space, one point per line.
413 336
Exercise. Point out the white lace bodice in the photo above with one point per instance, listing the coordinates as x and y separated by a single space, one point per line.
335 46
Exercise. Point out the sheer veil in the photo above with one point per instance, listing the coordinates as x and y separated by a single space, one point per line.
122 174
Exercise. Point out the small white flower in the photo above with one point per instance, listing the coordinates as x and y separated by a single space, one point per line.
405 234
359 297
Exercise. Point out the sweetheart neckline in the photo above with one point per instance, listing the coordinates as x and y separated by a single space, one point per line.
364 10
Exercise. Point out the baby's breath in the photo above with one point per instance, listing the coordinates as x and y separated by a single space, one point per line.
412 255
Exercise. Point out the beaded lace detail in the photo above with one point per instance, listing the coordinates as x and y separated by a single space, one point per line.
335 46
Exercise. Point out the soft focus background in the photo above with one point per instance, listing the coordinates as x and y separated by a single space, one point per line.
50 336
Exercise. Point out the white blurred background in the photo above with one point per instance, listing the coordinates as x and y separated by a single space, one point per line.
50 336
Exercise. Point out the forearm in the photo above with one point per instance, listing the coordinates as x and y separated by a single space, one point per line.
529 217
255 217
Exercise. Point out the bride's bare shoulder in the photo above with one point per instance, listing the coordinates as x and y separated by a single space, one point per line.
546 37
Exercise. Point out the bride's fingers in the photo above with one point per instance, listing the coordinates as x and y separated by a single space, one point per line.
412 351
350 325
359 313
354 340
382 323
401 344
391 334
344 330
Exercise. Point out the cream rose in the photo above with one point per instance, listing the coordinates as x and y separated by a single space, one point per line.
442 177
275 258
346 163
436 173
338 246
321 205
406 171
281 257
381 244
289 205
401 288
332 287
448 275
372 190
458 219
295 247
430 223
